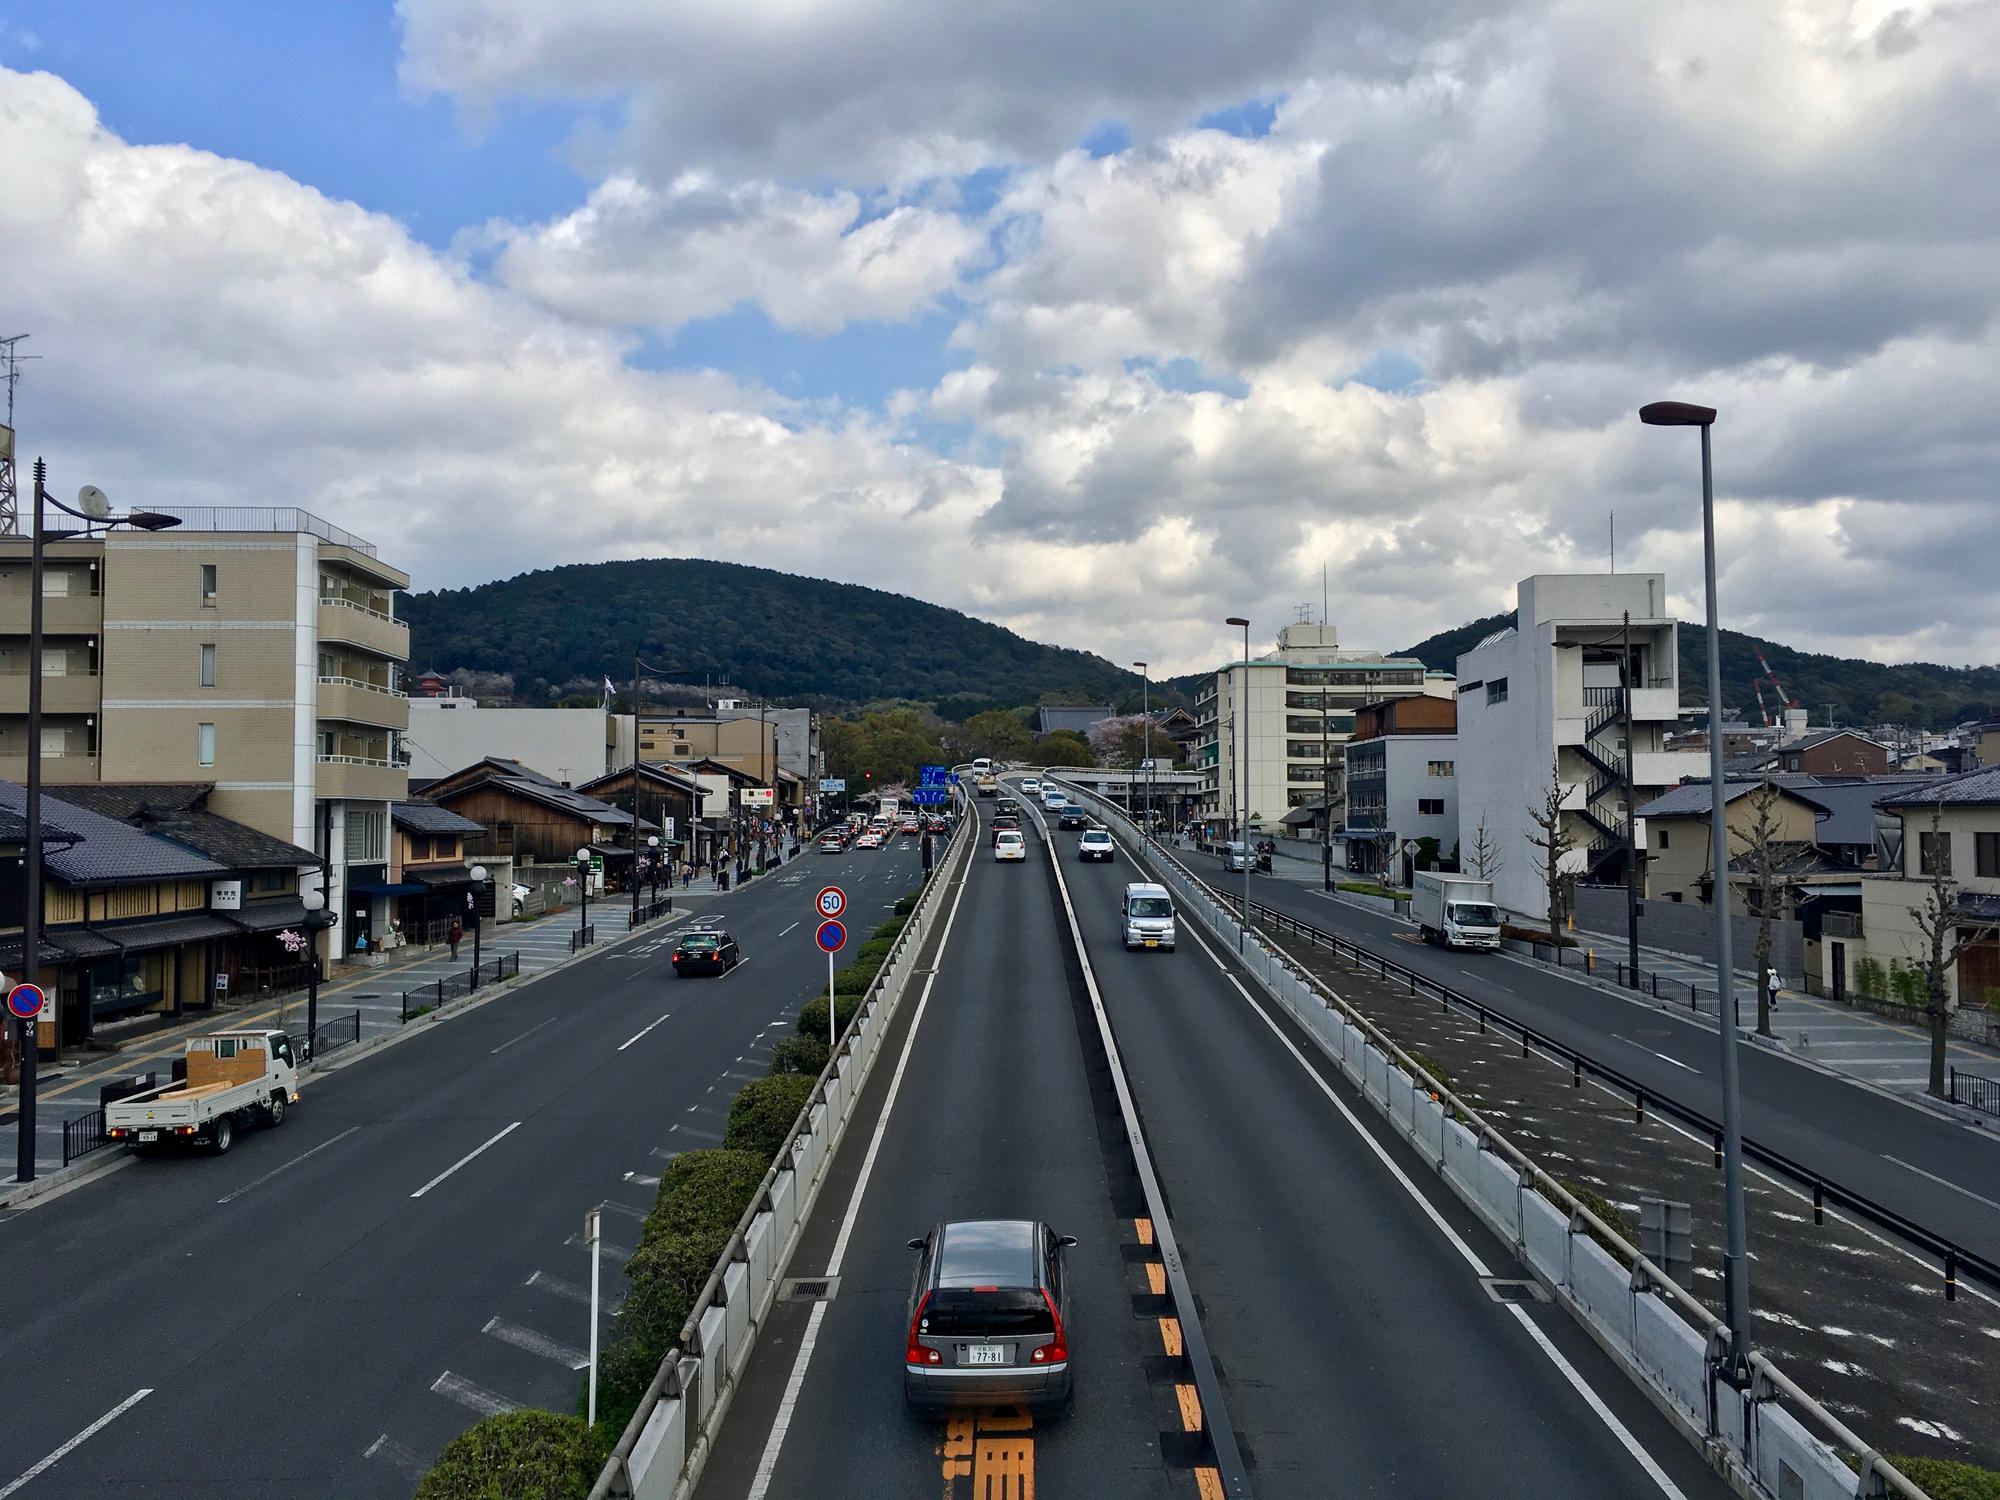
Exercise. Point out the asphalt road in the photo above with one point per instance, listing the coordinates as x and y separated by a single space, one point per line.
318 1312
1929 1169
993 1118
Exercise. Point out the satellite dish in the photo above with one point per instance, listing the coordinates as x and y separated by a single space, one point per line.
93 502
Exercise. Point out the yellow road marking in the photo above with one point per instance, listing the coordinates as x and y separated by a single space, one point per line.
1003 1468
1170 1335
1156 1278
1190 1404
956 1450
1209 1482
1005 1420
1145 1228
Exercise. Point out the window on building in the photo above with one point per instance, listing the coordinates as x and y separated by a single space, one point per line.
267 881
1443 768
207 665
204 740
1986 855
503 838
683 750
208 583
1663 837
1933 854
365 834
1496 690
1431 807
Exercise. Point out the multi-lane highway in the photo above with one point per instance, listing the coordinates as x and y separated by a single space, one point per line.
1338 1284
318 1312
1933 1171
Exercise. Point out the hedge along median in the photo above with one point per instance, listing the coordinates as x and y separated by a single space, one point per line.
518 1455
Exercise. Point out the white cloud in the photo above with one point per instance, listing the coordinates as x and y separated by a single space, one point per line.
632 255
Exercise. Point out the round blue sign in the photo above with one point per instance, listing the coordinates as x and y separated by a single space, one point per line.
831 936
25 1000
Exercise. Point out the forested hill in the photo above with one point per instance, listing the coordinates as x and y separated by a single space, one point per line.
800 639
1862 692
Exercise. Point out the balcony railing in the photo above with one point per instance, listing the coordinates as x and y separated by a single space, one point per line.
356 682
383 764
1842 924
264 518
351 601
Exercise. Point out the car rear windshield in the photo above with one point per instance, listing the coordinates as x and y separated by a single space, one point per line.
698 943
1152 906
1009 1312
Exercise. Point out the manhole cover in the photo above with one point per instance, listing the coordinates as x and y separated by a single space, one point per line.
1503 1289
809 1289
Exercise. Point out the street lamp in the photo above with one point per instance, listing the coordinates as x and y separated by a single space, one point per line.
1146 771
1736 1252
479 878
318 919
94 510
1243 807
583 886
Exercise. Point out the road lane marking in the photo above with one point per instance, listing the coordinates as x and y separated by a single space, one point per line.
393 1452
788 929
767 1462
1674 1060
535 1343
1208 1482
1145 1230
76 1442
465 1393
610 1247
1156 1278
637 1035
232 1197
1170 1337
528 1033
495 1140
1189 1401
726 973
1604 1413
569 1291
1941 1182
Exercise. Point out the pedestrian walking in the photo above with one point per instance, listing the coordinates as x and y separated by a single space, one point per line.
453 937
1771 983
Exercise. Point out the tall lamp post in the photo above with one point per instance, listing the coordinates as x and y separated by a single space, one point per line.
1736 1251
94 511
1243 757
318 920
656 853
583 887
637 668
479 879
1146 770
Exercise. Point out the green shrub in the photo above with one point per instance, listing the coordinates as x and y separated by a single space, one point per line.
908 904
812 1015
518 1455
1941 1478
761 1114
1869 979
1600 1205
805 1055
1433 1067
888 929
856 977
1908 985
875 948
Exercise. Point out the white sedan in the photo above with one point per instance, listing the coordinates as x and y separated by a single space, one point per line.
1008 844
1095 844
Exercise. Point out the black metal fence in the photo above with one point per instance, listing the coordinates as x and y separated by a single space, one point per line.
648 911
1659 986
334 1032
443 990
1982 1094
1968 1023
83 1135
582 937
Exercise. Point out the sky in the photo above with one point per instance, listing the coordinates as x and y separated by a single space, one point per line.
1103 322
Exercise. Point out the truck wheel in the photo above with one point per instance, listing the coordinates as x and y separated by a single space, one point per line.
225 1134
275 1111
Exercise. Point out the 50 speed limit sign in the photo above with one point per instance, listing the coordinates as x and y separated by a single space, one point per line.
830 902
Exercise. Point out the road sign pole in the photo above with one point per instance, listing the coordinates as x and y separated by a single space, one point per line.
832 1021
590 1224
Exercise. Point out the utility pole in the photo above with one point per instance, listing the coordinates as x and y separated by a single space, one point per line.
1631 809
31 861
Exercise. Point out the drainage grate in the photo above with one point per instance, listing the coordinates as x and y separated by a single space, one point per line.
1501 1289
809 1289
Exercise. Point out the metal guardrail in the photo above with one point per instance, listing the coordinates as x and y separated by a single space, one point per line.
83 1135
672 1381
264 518
1978 1093
446 988
583 937
331 1035
649 911
1765 1377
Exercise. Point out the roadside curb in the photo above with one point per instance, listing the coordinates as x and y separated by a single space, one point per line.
62 1179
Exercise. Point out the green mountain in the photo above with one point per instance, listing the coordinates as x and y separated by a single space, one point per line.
804 640
1861 692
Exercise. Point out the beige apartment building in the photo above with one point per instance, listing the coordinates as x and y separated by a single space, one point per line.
743 743
255 648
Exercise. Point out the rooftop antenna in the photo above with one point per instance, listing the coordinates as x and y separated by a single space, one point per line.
1304 612
1614 541
1325 610
10 504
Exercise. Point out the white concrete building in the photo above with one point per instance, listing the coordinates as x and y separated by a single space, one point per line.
1542 698
570 745
1299 702
1402 787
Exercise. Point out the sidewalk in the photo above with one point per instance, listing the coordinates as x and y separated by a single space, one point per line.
374 991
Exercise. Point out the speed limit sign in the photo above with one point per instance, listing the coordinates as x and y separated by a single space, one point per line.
830 902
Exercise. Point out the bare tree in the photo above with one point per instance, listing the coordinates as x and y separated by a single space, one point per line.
1938 923
1485 853
1760 852
1555 840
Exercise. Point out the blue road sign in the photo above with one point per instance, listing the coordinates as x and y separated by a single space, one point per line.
831 937
25 1001
930 775
930 796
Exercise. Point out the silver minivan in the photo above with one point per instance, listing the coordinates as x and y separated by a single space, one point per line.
1149 916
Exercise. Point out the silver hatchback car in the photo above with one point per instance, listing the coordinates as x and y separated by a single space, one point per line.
988 1317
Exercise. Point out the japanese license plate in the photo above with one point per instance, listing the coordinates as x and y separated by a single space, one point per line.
986 1354
146 1136
1152 942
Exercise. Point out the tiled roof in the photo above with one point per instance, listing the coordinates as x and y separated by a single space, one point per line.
177 811
125 799
428 817
536 788
1968 788
1821 736
106 851
1692 799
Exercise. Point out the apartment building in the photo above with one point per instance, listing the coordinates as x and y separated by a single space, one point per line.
255 649
570 745
1402 787
1298 704
761 742
1542 698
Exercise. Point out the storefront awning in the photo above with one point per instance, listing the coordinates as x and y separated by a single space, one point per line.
381 888
146 937
441 875
269 916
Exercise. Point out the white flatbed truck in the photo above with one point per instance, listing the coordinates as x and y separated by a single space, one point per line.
233 1078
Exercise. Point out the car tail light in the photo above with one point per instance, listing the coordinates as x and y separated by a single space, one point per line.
916 1353
1056 1351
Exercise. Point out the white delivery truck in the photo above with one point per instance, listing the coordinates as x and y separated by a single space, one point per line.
232 1078
1455 910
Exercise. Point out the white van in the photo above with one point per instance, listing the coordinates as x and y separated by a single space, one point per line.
1149 916
983 766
